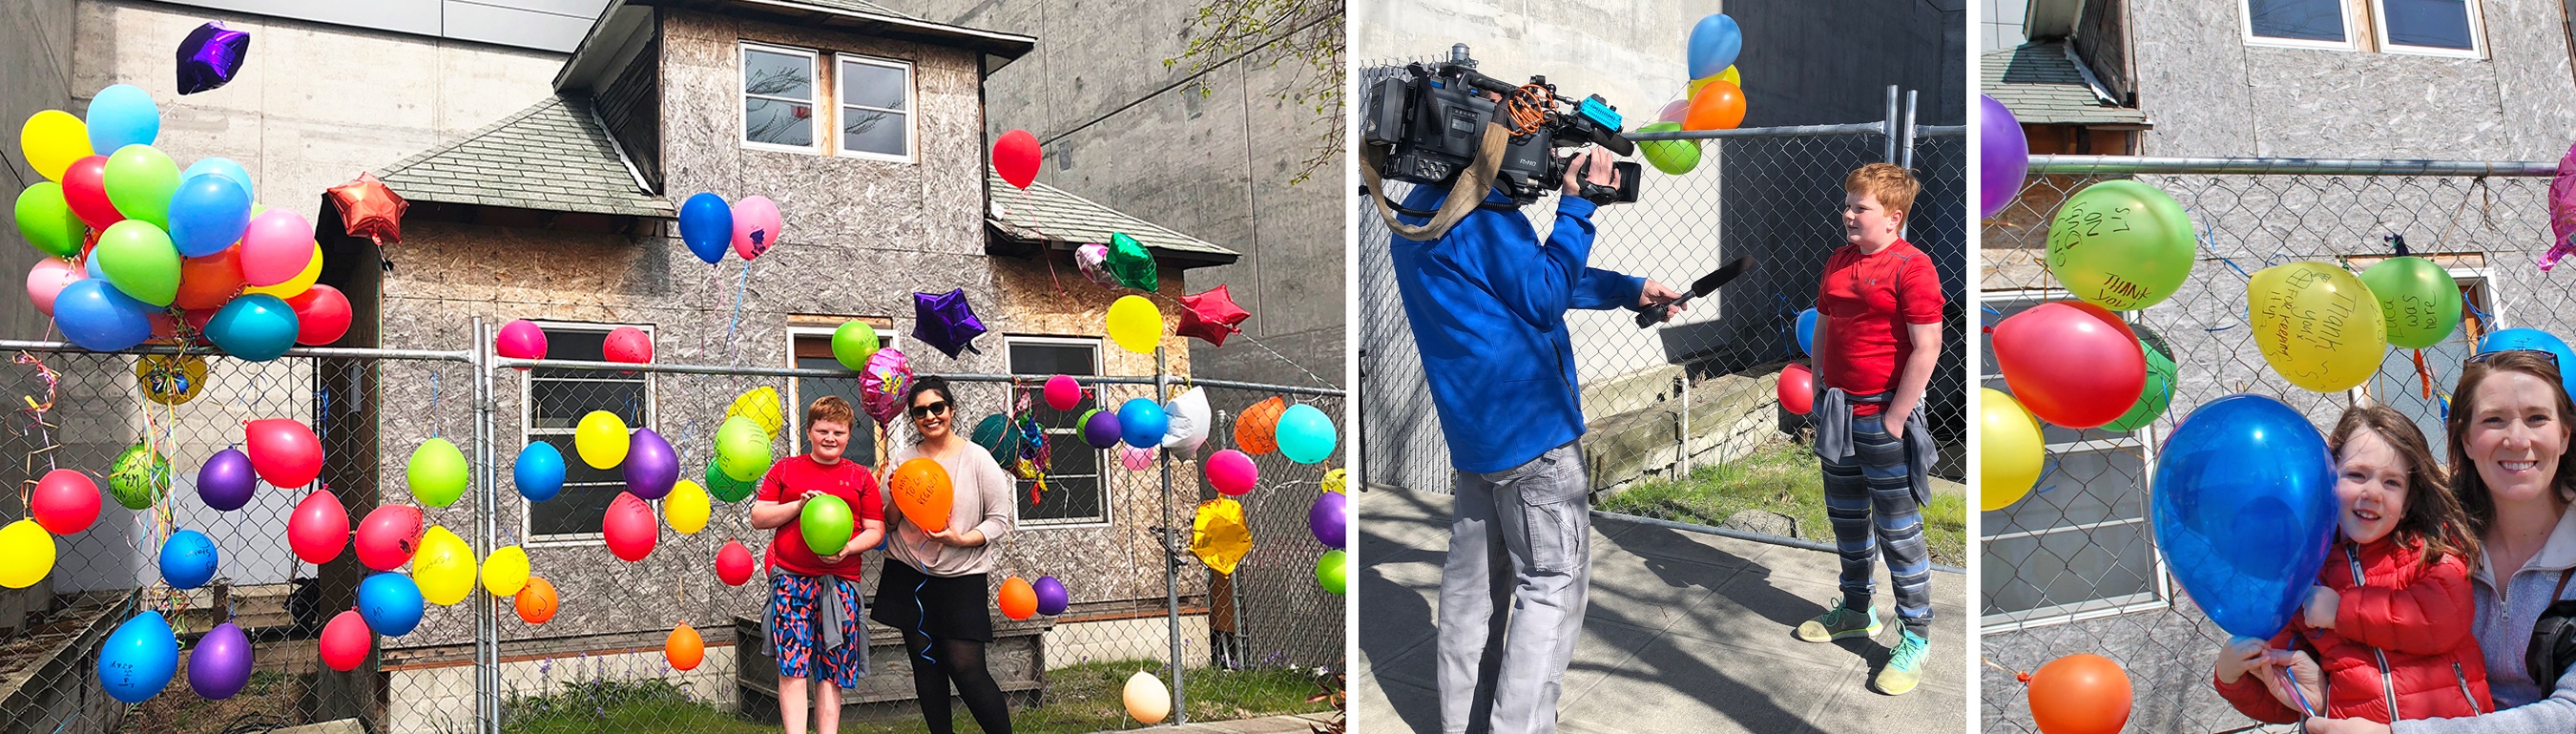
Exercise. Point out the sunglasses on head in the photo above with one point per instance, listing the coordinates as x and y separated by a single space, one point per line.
2481 357
930 409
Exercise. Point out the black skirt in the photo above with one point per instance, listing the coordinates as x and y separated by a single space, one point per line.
940 607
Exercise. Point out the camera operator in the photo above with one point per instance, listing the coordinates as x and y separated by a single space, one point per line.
1487 304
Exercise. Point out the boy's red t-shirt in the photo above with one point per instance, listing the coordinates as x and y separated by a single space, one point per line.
1865 300
791 478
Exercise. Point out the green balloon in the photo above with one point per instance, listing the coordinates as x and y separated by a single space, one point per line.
742 449
1674 157
2121 245
853 343
139 478
140 261
991 433
436 473
1332 571
47 221
2158 395
826 524
139 181
725 488
2419 299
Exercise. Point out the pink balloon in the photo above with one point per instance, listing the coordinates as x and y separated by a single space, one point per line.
1675 112
1062 393
1136 459
755 226
1232 472
521 339
47 279
628 344
277 248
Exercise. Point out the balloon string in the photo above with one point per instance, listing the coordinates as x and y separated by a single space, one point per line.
2295 692
2423 375
2017 675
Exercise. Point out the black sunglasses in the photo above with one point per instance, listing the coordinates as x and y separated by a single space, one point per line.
2481 357
930 409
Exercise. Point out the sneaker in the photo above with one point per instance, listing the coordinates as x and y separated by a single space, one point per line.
1904 665
1841 623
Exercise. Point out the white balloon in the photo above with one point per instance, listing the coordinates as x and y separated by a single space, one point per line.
1189 421
1147 699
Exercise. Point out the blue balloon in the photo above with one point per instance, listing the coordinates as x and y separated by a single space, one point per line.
207 214
2244 506
2504 340
1713 45
706 224
253 326
96 272
1807 332
188 559
97 317
390 602
1141 423
139 658
224 167
540 471
122 115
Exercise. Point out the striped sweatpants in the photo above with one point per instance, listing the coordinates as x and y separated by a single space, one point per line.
1873 512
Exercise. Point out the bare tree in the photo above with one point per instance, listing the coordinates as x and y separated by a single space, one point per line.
1307 31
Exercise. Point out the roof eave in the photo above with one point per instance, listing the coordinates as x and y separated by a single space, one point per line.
1001 241
1007 45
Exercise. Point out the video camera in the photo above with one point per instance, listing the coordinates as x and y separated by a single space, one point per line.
1431 121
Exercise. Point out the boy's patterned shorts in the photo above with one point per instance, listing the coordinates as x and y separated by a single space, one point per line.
795 635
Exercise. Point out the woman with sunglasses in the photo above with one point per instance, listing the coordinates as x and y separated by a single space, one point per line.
934 586
2509 431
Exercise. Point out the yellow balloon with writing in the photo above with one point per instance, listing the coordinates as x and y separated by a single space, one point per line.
2010 451
506 571
2317 325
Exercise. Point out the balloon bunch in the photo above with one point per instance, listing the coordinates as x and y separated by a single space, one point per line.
1714 100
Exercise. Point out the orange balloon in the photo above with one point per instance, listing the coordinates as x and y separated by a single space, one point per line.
537 601
1718 106
685 649
921 491
1256 430
1018 601
2080 694
207 282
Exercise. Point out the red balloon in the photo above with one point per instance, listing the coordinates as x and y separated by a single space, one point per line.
629 345
1015 156
66 502
165 327
733 564
285 452
2071 363
321 315
1797 389
319 528
345 641
630 527
2080 694
85 188
197 319
389 536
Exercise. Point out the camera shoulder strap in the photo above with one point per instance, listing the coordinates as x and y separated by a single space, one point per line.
1468 191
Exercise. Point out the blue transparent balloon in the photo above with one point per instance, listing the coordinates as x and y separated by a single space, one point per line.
390 603
540 471
2244 506
706 224
2511 339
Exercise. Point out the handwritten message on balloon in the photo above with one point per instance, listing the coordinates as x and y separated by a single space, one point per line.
2317 325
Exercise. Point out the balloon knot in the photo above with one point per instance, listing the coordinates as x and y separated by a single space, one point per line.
2396 242
2023 677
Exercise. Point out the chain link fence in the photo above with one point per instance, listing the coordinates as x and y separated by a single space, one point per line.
2072 568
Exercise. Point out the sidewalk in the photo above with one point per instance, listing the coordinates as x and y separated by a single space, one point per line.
1684 632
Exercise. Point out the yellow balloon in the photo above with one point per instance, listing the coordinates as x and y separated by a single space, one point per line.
26 554
53 140
444 567
1135 324
1337 480
2010 451
2317 325
506 571
686 507
302 282
1729 76
761 406
1146 698
601 439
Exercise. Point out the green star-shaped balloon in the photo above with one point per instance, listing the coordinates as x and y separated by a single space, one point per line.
1130 263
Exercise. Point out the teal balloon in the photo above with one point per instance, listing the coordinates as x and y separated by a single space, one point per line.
253 326
209 213
224 167
140 181
122 115
1306 435
139 658
139 260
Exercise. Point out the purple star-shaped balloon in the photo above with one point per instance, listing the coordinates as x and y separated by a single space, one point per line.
944 321
210 56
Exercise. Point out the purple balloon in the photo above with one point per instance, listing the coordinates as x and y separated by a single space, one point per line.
944 321
1051 596
2003 152
226 481
221 663
210 57
1330 519
651 467
1101 430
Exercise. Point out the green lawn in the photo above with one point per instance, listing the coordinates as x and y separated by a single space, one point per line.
1081 698
1782 477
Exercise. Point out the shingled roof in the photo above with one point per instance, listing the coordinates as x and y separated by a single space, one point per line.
552 156
2042 85
1046 214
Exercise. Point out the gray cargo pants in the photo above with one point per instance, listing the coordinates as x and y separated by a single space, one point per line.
1523 537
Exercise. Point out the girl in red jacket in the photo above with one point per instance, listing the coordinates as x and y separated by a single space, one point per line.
2388 622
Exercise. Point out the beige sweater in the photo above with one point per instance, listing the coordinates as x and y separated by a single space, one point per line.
981 495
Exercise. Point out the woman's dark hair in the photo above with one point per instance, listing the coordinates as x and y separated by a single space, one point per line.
2465 482
2434 520
930 383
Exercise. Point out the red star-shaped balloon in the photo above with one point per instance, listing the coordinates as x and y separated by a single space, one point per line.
369 209
1211 316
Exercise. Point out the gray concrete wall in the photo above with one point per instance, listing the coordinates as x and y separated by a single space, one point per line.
542 25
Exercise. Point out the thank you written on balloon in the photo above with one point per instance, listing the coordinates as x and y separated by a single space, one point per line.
2077 226
2121 245
2317 325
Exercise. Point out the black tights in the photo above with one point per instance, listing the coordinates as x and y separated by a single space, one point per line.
961 661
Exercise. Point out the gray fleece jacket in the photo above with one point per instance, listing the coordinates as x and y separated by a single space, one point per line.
2503 629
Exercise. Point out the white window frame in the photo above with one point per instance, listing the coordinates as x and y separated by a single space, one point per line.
796 396
2477 34
528 431
1108 493
2484 276
2351 34
911 108
742 96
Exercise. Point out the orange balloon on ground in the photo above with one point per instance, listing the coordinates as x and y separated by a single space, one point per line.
1256 430
536 601
921 491
1018 600
2080 694
1718 106
685 649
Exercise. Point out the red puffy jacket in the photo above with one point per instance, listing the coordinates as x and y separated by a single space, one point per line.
2401 636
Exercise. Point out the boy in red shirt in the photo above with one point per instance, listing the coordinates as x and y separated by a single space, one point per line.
1875 347
814 602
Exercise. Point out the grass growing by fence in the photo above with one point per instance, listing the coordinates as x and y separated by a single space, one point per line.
1783 477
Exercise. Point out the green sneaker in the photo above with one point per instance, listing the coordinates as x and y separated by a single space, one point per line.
1841 623
1904 665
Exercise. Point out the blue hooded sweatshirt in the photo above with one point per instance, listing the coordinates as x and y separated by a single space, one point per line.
1487 304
